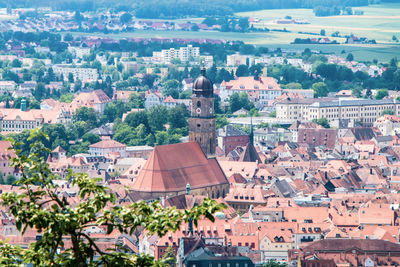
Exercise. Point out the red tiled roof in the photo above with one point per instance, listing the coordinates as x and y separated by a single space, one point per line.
108 143
250 83
171 167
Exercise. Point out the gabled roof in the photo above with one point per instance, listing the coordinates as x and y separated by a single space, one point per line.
59 149
250 154
365 245
171 167
108 143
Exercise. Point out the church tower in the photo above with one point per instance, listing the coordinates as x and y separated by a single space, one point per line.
202 120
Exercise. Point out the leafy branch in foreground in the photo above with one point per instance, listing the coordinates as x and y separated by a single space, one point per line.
63 226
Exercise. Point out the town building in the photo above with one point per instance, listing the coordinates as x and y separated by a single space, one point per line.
17 120
388 124
364 111
7 86
229 137
5 159
260 89
83 74
184 54
238 59
107 147
79 52
171 169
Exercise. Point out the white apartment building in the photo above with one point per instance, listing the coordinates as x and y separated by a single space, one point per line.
83 74
238 59
365 111
184 54
79 52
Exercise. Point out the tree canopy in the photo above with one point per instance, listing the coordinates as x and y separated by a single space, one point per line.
41 208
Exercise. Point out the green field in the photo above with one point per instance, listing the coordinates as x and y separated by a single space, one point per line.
379 22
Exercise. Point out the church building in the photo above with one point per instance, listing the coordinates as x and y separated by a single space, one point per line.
172 168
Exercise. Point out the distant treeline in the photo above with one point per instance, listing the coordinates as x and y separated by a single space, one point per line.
181 8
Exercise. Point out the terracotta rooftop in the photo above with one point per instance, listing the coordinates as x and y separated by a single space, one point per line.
108 143
171 167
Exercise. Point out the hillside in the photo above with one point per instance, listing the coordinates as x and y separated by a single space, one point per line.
181 8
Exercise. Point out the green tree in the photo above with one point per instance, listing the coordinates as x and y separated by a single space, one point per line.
67 98
161 138
170 257
323 122
171 88
157 117
356 91
91 138
71 77
134 119
242 71
43 209
350 57
40 91
221 121
272 263
176 117
125 18
87 115
387 112
234 102
320 89
381 94
322 32
273 114
10 179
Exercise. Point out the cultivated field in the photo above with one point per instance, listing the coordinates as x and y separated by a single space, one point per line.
379 22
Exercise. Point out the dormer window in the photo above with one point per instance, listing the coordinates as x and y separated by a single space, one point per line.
241 86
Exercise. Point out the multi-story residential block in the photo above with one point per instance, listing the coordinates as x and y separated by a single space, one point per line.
363 111
17 120
259 89
272 135
83 74
184 54
237 59
229 138
79 52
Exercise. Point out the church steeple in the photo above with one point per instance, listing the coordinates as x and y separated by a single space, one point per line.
202 120
251 135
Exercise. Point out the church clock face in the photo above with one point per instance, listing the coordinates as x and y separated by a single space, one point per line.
198 110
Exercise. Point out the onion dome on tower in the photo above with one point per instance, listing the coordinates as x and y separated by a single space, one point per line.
202 86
